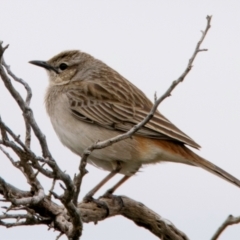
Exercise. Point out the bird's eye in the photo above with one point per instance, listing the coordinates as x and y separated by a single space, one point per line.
63 66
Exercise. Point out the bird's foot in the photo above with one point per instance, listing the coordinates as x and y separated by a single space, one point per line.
109 195
88 198
99 203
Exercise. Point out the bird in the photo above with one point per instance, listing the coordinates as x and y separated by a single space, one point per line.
88 101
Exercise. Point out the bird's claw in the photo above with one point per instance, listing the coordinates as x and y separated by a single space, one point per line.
109 195
99 203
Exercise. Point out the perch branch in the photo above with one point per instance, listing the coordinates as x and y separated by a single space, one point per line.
231 220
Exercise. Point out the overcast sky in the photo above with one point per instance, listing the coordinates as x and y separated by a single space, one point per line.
149 42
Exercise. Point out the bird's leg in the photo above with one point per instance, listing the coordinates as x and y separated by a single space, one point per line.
110 191
90 194
100 184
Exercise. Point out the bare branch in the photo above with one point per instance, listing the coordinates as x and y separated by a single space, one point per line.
51 189
66 198
5 129
3 50
27 101
29 200
7 155
135 211
13 135
6 189
27 112
90 212
231 220
25 198
29 219
59 236
78 179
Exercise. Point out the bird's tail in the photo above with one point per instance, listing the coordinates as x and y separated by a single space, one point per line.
203 163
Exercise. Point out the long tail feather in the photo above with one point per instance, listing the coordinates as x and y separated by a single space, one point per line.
203 163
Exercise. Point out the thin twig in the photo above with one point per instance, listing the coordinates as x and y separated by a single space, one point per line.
12 189
29 220
27 101
78 180
13 135
28 114
7 155
51 189
59 236
231 220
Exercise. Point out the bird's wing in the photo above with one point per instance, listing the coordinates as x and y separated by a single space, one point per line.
116 104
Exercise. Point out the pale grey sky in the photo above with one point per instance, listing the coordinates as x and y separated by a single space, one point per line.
148 42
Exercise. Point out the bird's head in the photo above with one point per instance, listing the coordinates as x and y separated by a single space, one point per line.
65 66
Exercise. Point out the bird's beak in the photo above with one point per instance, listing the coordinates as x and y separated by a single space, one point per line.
44 65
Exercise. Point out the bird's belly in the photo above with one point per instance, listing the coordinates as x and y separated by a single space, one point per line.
132 152
78 136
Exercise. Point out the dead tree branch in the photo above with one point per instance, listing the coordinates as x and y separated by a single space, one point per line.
231 220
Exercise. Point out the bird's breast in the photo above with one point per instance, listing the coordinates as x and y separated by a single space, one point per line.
78 136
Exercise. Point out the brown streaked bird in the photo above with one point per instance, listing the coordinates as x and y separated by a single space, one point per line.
88 101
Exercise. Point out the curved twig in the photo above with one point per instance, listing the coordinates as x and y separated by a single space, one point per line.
231 220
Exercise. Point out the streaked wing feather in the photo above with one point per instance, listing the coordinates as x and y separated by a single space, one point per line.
105 104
